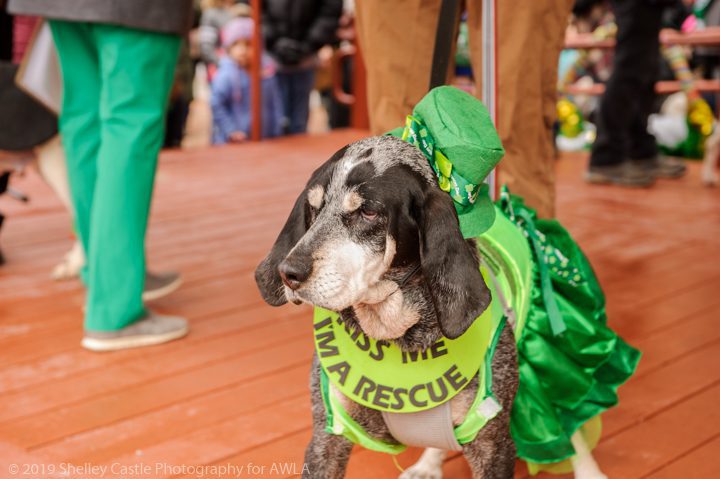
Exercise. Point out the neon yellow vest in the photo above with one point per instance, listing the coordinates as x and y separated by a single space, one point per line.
380 376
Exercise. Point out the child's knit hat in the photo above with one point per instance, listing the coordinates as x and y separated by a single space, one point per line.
237 29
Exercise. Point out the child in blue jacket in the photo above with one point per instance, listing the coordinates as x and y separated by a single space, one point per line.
230 99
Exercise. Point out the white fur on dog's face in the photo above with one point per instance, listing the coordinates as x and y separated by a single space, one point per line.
345 273
369 219
351 248
346 269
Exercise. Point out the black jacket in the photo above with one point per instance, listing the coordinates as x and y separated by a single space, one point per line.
295 29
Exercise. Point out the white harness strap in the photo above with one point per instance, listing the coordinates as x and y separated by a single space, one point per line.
429 428
434 427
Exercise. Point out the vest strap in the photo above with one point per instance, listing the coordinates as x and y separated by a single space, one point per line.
429 428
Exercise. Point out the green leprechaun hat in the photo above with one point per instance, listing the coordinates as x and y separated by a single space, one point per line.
454 131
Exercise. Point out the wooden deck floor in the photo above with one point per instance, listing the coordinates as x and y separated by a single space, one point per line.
235 390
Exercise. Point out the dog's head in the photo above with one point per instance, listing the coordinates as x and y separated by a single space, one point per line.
369 217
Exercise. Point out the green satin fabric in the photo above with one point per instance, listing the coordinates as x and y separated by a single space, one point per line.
569 371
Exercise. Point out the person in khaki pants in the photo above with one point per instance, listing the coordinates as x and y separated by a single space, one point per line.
397 40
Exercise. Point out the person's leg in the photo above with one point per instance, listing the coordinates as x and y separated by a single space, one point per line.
397 40
629 93
285 84
641 144
53 168
530 37
300 87
339 114
80 117
137 71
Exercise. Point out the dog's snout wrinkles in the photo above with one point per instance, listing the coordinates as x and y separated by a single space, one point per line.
294 273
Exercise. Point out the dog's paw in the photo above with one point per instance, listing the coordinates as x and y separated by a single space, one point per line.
422 470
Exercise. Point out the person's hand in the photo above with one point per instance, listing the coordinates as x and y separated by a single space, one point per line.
290 51
325 56
345 29
237 137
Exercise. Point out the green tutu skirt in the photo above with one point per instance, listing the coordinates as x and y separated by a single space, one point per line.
570 362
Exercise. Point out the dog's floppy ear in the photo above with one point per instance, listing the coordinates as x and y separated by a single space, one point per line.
267 276
450 267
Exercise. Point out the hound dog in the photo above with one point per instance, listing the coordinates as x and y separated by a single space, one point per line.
374 238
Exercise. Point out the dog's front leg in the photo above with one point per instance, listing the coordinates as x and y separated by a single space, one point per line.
429 466
492 454
327 455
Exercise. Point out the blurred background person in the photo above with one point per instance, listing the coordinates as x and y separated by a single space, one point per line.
181 95
294 30
338 113
231 88
397 46
118 62
215 15
625 153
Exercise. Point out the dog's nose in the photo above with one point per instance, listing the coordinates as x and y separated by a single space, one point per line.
294 274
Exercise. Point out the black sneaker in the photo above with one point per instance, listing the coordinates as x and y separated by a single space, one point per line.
662 166
625 174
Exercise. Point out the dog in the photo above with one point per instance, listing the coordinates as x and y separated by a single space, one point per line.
373 237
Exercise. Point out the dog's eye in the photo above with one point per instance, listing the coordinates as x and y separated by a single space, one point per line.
367 213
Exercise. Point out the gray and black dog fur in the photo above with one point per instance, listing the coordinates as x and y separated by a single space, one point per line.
367 218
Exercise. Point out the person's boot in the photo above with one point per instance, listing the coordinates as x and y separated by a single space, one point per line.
624 174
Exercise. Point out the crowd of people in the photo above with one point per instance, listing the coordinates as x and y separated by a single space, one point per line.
293 33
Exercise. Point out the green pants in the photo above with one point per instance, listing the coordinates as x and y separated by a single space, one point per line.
116 85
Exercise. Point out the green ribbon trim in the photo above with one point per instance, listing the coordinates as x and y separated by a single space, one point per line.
461 190
478 416
557 324
340 423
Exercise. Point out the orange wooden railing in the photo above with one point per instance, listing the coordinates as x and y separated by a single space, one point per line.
255 80
708 37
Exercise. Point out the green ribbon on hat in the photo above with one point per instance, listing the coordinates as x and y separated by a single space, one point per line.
460 189
462 146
